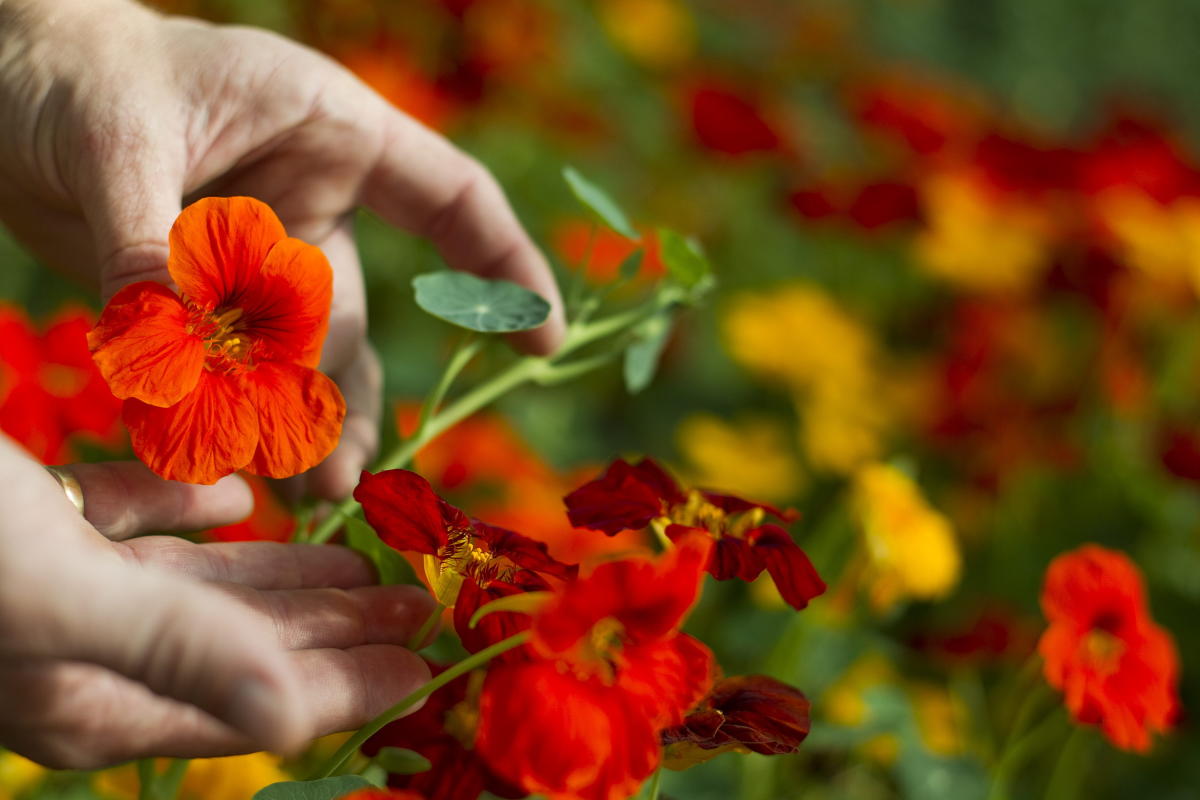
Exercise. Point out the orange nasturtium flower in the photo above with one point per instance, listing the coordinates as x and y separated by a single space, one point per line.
222 376
1116 667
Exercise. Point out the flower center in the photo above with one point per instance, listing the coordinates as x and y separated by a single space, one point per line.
601 650
469 556
1103 649
226 340
698 512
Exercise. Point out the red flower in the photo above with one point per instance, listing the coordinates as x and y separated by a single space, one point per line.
443 731
406 513
1117 668
749 713
607 671
631 497
221 376
384 794
50 390
728 121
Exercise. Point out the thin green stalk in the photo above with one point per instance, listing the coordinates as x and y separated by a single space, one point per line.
656 783
1067 778
420 636
1020 750
172 779
462 356
147 776
351 745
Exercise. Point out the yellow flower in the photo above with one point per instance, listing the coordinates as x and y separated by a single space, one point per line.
1163 242
751 458
977 242
658 33
911 548
17 774
941 719
232 778
798 336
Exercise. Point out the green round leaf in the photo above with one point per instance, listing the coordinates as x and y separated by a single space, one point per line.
324 789
399 761
480 305
641 357
683 258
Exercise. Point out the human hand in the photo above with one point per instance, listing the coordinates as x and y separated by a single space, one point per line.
114 650
114 113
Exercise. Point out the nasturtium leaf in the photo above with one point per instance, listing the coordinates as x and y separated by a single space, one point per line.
323 789
682 257
391 566
631 266
641 357
487 306
399 761
523 603
597 201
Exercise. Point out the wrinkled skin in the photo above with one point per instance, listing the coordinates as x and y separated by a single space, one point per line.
114 116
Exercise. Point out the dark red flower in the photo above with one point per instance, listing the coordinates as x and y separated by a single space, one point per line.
633 496
728 121
607 671
443 731
748 713
408 516
1116 667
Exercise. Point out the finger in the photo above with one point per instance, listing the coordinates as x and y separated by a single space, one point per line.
130 189
425 185
310 618
181 639
259 565
361 382
81 716
124 498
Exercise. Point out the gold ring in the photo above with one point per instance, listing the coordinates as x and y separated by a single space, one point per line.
70 485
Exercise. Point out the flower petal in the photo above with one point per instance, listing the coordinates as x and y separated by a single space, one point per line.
794 575
300 413
625 497
143 347
404 510
208 434
218 246
287 305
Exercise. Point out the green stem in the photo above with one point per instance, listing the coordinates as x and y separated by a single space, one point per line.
351 745
656 783
147 776
420 636
1070 768
172 779
1020 751
462 356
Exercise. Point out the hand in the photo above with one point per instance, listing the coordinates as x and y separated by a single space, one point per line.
113 113
116 650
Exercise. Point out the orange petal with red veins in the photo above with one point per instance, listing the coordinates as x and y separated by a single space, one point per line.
207 435
218 246
300 414
143 347
287 306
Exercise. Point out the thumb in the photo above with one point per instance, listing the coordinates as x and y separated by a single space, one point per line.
185 641
134 183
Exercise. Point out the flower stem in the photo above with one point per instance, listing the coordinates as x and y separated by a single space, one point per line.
147 775
469 663
421 635
172 779
656 783
521 371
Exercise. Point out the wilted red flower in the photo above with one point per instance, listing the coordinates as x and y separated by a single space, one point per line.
49 388
408 516
747 713
270 520
1117 668
221 376
631 497
608 670
443 731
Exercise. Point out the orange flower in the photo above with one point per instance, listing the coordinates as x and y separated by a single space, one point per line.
50 390
221 376
1118 669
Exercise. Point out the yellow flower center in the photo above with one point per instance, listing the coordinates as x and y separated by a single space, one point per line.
698 512
1103 649
227 338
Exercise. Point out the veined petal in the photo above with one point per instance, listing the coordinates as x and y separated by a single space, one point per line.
795 576
300 413
208 434
287 306
143 347
404 510
218 246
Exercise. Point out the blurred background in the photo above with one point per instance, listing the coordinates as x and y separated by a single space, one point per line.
958 254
